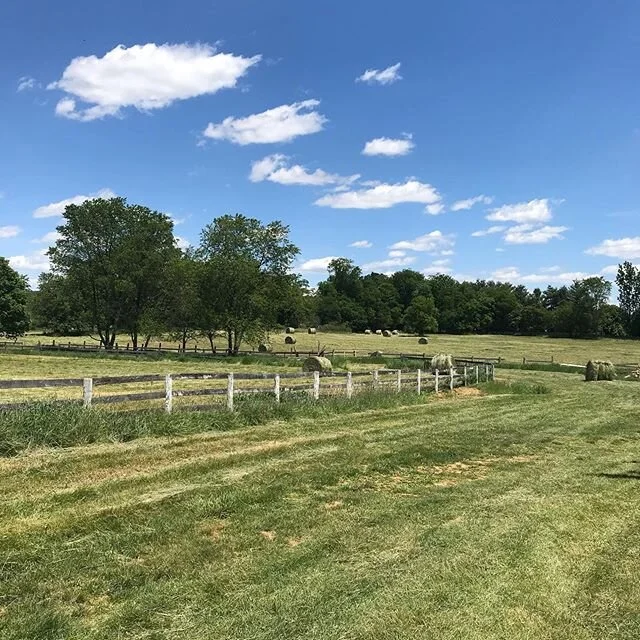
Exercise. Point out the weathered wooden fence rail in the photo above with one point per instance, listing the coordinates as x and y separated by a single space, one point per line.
343 383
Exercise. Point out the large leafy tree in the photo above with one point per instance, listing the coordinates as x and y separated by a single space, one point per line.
246 279
114 256
14 320
628 281
420 316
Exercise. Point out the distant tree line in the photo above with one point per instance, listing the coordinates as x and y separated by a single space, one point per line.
117 272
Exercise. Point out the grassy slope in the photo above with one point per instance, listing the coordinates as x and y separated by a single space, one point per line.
499 517
512 348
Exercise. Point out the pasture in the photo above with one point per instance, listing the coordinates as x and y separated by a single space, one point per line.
503 515
509 348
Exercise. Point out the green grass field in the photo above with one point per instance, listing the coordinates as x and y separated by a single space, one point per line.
503 516
510 348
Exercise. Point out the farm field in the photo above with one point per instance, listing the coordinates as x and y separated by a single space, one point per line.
510 348
480 517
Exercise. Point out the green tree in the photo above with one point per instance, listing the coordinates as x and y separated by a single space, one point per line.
628 282
114 256
14 320
246 279
420 316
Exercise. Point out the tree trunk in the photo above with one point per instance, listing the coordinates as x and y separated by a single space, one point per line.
184 340
211 336
230 340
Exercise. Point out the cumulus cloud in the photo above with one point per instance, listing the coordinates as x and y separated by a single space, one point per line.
530 234
26 83
361 244
534 211
610 270
434 209
486 232
545 275
388 146
145 77
280 124
9 231
433 242
381 76
463 205
275 169
436 267
623 248
317 264
382 196
48 238
397 254
37 261
57 208
388 263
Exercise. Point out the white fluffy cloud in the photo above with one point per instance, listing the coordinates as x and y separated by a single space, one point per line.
57 208
433 242
388 147
382 196
361 244
530 234
534 211
623 248
9 231
37 261
317 264
381 76
26 83
275 169
146 77
437 266
463 205
389 263
48 238
435 209
280 124
182 243
397 254
545 275
486 232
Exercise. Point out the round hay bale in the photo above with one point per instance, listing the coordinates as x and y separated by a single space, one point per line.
264 348
606 370
376 354
317 363
367 332
423 340
395 332
386 333
290 340
290 330
590 372
378 332
312 331
441 362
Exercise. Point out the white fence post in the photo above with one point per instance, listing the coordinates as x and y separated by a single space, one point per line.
399 382
477 374
493 372
316 385
466 378
87 392
276 387
376 378
437 381
486 372
168 393
451 379
230 392
419 381
349 384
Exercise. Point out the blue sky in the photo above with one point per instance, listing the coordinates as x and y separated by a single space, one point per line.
486 140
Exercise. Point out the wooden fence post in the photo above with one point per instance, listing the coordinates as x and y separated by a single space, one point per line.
437 381
316 385
168 393
87 392
276 387
349 384
399 381
451 373
230 392
419 381
466 378
477 375
376 378
493 372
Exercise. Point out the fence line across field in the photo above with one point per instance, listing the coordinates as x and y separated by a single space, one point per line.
344 383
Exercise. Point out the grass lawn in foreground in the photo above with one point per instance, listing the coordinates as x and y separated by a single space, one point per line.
510 516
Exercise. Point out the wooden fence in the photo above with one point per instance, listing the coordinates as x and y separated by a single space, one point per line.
314 384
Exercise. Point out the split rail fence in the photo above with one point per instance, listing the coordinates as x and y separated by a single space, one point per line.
229 386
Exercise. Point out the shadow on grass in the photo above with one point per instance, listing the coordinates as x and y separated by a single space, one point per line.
625 475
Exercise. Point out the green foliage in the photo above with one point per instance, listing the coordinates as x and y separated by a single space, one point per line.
628 282
14 320
420 315
499 387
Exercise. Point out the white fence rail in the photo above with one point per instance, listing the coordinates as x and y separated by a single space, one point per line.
314 384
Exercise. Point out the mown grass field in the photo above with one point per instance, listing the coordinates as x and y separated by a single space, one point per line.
480 517
510 348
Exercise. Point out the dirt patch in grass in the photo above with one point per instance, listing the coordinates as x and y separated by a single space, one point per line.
212 529
468 392
336 504
268 535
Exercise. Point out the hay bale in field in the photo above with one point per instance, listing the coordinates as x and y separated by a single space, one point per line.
395 332
290 330
317 363
386 333
441 362
378 332
290 340
264 348
376 354
367 332
606 370
312 331
423 340
590 372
